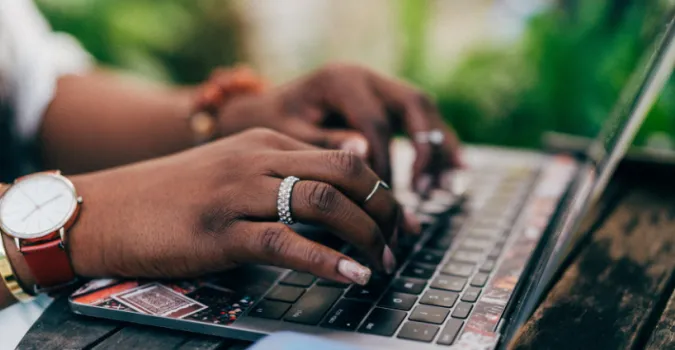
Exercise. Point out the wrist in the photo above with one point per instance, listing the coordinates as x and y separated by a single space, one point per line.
19 266
223 87
84 240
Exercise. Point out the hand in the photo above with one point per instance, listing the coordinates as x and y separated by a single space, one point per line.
350 108
214 207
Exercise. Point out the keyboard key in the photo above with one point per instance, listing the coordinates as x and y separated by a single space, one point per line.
270 309
329 283
408 285
439 298
432 208
487 266
313 305
491 223
369 292
451 283
404 247
495 252
418 271
382 322
479 279
285 293
429 314
428 256
449 333
418 331
346 315
442 242
471 294
398 301
477 244
458 269
485 233
462 310
407 242
300 279
467 256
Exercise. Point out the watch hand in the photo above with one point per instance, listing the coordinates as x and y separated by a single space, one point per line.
30 199
29 214
49 201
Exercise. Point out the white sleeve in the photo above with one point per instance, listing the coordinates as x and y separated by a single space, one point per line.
32 58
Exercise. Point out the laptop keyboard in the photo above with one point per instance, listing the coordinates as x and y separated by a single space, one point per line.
441 274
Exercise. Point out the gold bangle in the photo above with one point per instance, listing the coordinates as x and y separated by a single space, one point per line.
6 270
9 278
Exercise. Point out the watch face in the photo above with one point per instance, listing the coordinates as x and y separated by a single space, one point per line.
37 205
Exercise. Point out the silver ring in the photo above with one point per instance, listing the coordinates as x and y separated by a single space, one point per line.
377 186
284 200
433 136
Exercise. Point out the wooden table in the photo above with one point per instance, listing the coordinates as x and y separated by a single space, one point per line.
616 293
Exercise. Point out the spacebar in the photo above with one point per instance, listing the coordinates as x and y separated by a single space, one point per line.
313 305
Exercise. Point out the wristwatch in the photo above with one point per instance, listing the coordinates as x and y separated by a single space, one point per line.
36 212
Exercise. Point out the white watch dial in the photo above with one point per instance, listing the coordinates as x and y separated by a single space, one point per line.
37 205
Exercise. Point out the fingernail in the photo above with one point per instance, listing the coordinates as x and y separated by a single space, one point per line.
354 271
357 145
411 221
388 260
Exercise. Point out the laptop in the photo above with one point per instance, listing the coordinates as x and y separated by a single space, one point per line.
476 274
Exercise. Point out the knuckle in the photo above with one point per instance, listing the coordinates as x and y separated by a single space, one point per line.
314 258
423 100
346 163
216 219
273 241
323 197
335 73
263 134
339 67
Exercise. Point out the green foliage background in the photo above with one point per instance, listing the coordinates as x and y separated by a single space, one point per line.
564 75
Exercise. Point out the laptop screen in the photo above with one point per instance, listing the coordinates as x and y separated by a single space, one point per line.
634 104
607 149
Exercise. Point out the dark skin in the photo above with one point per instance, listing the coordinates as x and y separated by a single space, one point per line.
132 226
334 107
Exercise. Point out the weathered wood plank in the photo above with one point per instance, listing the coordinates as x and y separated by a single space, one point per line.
59 328
143 337
201 342
604 298
663 336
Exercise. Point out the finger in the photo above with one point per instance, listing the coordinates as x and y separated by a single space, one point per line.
420 114
314 202
277 244
351 176
273 140
347 140
364 111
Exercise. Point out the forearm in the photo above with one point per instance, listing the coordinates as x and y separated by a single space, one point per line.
99 120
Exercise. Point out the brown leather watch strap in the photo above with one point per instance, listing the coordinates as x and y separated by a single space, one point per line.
49 264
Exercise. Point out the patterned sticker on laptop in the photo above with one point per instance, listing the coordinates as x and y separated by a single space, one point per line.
157 300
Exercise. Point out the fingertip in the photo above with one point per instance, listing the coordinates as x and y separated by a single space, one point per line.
354 272
388 260
412 223
356 144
